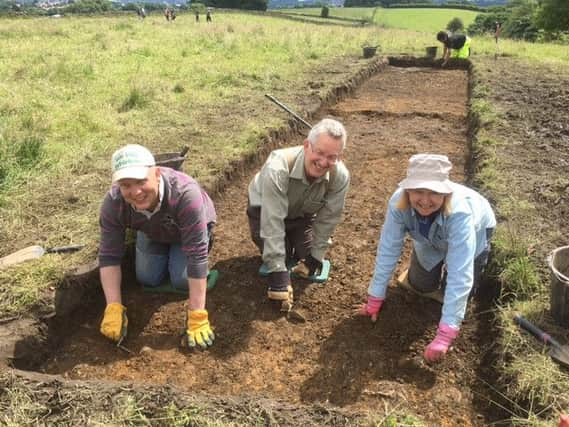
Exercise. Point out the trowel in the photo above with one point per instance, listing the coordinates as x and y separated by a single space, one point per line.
558 352
34 252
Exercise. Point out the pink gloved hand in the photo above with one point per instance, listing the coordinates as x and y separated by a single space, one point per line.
440 345
371 308
563 421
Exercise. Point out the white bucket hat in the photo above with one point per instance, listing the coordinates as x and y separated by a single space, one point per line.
131 161
428 171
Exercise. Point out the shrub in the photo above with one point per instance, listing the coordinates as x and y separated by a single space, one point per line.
325 12
135 99
455 24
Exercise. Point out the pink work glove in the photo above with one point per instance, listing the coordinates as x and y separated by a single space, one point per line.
440 345
563 421
371 308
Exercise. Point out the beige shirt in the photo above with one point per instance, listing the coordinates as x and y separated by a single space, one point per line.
282 194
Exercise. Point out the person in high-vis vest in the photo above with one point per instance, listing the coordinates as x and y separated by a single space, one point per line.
455 46
295 202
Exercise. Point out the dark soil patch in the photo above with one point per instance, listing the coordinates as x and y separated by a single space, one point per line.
329 358
533 134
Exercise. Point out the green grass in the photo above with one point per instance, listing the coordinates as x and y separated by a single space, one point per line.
530 381
421 20
73 90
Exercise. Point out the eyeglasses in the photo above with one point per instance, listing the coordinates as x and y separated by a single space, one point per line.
330 158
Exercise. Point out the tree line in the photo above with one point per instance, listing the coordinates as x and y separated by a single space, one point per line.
530 20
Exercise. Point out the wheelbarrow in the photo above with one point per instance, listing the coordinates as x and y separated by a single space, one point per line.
558 352
172 160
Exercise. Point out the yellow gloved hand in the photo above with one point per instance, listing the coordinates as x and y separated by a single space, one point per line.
114 322
198 330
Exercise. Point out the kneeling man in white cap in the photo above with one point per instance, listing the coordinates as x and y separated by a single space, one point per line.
174 218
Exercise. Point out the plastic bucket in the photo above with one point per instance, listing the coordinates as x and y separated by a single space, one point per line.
431 52
369 51
558 261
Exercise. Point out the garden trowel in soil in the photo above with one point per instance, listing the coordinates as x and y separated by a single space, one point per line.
34 252
558 352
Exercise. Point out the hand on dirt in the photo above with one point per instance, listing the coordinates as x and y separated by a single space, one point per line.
446 334
198 330
307 267
371 308
115 322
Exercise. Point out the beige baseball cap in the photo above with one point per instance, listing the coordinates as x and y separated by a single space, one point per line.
131 161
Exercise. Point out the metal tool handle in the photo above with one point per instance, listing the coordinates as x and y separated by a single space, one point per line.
184 151
535 331
288 110
64 249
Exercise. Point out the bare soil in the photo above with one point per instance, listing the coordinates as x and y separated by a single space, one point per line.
324 355
533 145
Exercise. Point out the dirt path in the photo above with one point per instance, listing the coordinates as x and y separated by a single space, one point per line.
331 357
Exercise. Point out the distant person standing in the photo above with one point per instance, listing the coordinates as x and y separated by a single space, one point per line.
497 31
455 45
208 15
141 13
197 15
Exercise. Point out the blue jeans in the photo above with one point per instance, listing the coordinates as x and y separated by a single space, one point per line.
154 260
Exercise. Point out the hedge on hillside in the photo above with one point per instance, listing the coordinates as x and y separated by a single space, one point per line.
435 6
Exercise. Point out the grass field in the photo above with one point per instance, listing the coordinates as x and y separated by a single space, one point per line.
73 90
422 20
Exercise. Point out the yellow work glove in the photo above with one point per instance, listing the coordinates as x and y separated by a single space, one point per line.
114 322
198 330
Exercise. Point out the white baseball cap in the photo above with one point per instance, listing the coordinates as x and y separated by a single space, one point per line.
131 161
428 171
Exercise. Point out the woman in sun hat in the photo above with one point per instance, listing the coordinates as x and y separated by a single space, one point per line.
451 227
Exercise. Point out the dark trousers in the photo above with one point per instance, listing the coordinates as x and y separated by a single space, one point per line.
429 281
298 233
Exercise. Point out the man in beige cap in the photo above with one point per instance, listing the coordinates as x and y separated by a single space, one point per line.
174 219
451 227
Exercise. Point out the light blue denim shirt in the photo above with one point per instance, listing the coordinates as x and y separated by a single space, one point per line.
457 238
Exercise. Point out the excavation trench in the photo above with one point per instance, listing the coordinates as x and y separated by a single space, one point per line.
329 356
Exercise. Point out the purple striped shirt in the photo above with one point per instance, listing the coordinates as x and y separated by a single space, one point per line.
184 214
